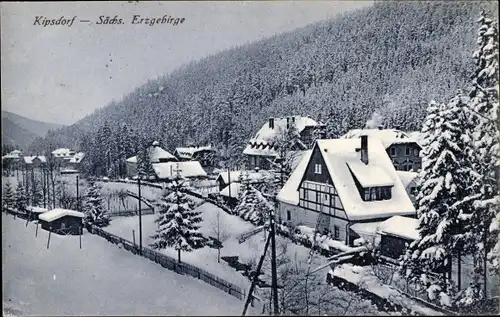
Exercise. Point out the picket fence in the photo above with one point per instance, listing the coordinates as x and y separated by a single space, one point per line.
172 264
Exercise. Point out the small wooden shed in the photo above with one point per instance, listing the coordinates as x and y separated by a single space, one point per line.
62 221
35 212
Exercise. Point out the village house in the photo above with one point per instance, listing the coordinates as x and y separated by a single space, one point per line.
403 150
63 156
62 221
12 160
203 154
31 162
341 184
261 150
73 166
165 165
409 180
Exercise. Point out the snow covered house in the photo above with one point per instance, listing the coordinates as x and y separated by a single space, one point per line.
34 161
12 160
35 212
156 155
395 234
261 149
62 221
169 170
203 154
230 194
254 177
403 149
341 183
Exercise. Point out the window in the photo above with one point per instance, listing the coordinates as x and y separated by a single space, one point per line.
318 197
377 193
415 152
317 168
407 151
288 215
393 151
336 232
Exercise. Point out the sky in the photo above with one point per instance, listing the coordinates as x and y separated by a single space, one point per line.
61 73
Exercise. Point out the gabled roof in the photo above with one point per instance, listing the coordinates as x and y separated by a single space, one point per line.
77 158
62 152
187 169
253 176
338 154
29 159
155 154
387 136
235 190
12 155
407 177
262 142
57 213
399 226
188 152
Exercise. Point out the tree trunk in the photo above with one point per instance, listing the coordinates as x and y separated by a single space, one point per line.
218 255
179 255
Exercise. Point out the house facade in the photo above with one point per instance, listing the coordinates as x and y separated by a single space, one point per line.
341 183
156 155
262 149
403 148
203 154
31 162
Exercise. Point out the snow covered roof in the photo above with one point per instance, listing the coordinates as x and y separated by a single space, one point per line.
253 176
62 152
416 136
262 143
57 213
77 158
132 159
168 170
235 190
156 153
188 152
368 175
399 226
29 159
387 136
37 210
407 177
12 155
338 154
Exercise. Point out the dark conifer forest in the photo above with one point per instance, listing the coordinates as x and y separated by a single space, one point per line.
392 58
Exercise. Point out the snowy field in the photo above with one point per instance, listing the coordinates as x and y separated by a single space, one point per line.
206 258
99 279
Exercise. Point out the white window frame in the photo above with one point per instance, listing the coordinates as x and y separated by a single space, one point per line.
416 152
391 150
317 168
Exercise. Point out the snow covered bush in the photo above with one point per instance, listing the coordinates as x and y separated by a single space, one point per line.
21 201
8 195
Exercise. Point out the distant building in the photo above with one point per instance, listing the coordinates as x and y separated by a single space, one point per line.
203 154
156 155
409 180
169 170
261 150
62 221
12 160
403 150
34 161
342 184
73 166
63 156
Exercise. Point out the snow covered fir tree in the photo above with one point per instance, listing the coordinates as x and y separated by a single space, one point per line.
458 203
252 206
8 195
93 208
178 222
21 200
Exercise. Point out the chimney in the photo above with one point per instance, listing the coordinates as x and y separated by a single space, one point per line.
288 123
381 127
271 123
364 149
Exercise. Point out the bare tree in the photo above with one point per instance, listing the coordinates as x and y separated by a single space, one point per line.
220 230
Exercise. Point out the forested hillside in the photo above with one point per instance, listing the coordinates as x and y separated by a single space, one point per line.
392 58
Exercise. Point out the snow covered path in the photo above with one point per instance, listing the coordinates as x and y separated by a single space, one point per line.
99 279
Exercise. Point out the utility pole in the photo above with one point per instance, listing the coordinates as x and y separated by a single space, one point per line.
140 212
77 195
229 182
274 284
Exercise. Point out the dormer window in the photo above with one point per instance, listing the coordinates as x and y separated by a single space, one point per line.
377 193
317 168
393 151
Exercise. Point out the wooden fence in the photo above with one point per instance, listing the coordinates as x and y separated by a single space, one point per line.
172 264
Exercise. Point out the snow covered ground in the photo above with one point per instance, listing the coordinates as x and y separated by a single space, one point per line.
99 279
